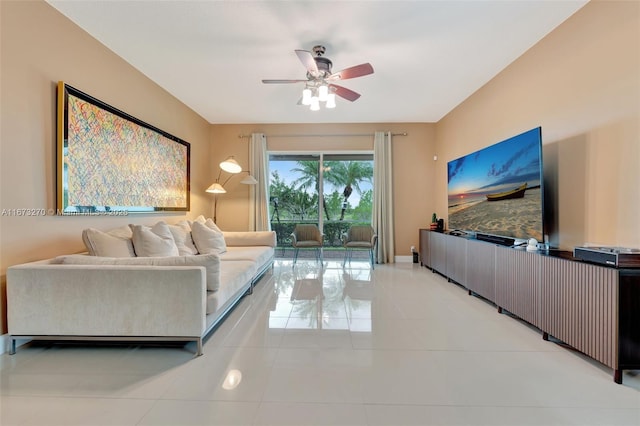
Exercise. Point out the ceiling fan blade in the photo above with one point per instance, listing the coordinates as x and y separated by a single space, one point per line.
352 72
283 81
343 92
307 60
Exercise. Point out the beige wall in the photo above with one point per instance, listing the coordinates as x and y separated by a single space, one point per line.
412 161
39 46
582 85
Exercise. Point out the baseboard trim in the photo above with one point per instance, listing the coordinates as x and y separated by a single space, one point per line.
403 259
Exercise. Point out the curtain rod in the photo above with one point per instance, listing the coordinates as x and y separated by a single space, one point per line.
333 135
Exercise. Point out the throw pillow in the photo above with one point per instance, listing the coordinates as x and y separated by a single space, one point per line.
211 263
114 243
181 232
207 240
211 224
207 221
153 241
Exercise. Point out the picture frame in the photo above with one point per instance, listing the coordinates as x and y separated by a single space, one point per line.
109 162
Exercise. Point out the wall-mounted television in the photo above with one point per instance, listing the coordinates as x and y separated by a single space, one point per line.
497 191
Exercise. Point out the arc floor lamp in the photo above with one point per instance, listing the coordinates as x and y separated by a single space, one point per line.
231 166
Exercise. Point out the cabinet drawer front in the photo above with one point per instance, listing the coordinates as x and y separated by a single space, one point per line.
518 284
579 307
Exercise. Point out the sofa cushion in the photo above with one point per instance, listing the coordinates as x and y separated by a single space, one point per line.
234 276
155 241
211 263
207 240
114 243
181 232
250 238
260 255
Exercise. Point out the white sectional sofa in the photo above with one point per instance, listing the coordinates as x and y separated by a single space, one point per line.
158 298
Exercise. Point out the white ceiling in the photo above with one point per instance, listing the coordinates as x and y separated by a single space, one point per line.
428 56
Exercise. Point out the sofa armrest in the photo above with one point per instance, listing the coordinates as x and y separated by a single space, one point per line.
106 300
250 238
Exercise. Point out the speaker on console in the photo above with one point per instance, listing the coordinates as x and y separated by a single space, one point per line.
440 227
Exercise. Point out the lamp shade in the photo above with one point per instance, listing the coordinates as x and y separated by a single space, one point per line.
230 165
315 104
331 100
323 92
306 96
249 180
216 188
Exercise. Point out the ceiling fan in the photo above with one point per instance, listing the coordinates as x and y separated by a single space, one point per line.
319 85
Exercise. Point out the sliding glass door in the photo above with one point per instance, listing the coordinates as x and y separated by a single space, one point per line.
332 191
347 188
293 193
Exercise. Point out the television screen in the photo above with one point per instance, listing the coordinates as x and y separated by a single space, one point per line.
497 190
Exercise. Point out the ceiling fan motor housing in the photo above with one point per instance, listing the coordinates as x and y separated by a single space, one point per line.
324 64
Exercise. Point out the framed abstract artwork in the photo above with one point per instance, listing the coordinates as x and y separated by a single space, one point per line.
109 162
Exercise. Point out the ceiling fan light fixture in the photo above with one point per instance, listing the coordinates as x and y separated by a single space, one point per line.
323 92
331 100
315 103
306 96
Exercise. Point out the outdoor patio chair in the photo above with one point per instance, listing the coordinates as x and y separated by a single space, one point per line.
359 237
307 236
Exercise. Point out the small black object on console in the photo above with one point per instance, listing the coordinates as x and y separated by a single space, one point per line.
503 241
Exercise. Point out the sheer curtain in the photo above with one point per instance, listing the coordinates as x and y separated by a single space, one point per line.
383 197
259 194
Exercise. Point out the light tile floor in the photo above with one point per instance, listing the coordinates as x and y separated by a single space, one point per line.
328 346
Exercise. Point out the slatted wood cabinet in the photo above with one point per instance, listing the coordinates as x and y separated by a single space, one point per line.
595 309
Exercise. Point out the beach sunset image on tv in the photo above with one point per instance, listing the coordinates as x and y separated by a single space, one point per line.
497 190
